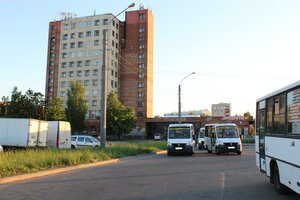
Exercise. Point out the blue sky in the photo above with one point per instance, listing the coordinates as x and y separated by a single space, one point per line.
239 50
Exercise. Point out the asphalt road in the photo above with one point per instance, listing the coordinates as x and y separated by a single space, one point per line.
201 176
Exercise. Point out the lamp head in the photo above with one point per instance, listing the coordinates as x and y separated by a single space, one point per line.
131 5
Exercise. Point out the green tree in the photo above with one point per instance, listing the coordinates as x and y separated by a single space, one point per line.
120 119
247 114
4 106
29 105
76 106
55 111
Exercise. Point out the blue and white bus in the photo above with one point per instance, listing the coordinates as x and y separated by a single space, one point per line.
277 139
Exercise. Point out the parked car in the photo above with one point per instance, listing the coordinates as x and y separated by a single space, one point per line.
83 141
157 136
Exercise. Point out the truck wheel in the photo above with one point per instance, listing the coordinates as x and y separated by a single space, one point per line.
217 151
280 188
209 151
169 153
72 147
239 153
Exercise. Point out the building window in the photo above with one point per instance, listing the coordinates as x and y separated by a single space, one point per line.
141 29
95 72
71 64
63 74
72 54
140 114
63 84
53 27
64 55
141 65
96 62
141 75
94 102
97 22
72 36
79 54
79 63
88 34
105 21
88 43
62 93
141 38
71 74
80 34
141 104
116 84
80 44
95 92
86 83
96 42
96 33
65 46
87 53
141 46
112 83
65 37
112 72
52 55
51 63
116 45
63 65
96 52
95 82
141 94
73 25
141 16
72 45
87 72
141 56
79 73
141 84
87 63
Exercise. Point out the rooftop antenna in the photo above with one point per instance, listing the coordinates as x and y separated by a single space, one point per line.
94 12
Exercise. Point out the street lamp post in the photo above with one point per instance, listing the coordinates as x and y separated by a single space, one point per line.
104 81
179 97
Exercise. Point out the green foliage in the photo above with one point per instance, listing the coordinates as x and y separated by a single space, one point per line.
34 160
55 111
76 106
120 119
29 105
247 114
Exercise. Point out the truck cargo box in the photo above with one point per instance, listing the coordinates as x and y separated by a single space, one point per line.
59 135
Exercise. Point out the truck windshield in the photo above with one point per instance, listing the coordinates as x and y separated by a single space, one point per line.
227 132
179 132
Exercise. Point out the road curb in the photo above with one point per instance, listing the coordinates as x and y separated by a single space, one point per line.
54 171
161 152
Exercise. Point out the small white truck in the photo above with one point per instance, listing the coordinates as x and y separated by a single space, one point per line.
59 135
17 132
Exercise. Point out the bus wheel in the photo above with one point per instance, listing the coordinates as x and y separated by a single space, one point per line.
280 188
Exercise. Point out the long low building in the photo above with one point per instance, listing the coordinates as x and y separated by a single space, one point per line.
160 125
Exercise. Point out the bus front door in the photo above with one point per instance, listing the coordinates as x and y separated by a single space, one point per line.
262 130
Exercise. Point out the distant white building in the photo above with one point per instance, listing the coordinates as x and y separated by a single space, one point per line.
192 113
221 109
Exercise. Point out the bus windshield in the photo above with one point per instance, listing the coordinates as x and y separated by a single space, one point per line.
227 132
179 132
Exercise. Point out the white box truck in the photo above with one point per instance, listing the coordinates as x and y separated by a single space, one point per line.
59 135
16 132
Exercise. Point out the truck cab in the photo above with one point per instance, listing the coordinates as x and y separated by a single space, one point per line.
181 139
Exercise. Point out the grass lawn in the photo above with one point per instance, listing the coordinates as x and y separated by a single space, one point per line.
33 160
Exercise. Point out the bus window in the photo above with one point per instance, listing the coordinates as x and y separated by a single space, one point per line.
293 107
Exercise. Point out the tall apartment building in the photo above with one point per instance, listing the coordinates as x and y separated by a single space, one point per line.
75 47
137 64
221 109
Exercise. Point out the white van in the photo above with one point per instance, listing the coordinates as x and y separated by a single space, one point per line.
181 139
222 138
